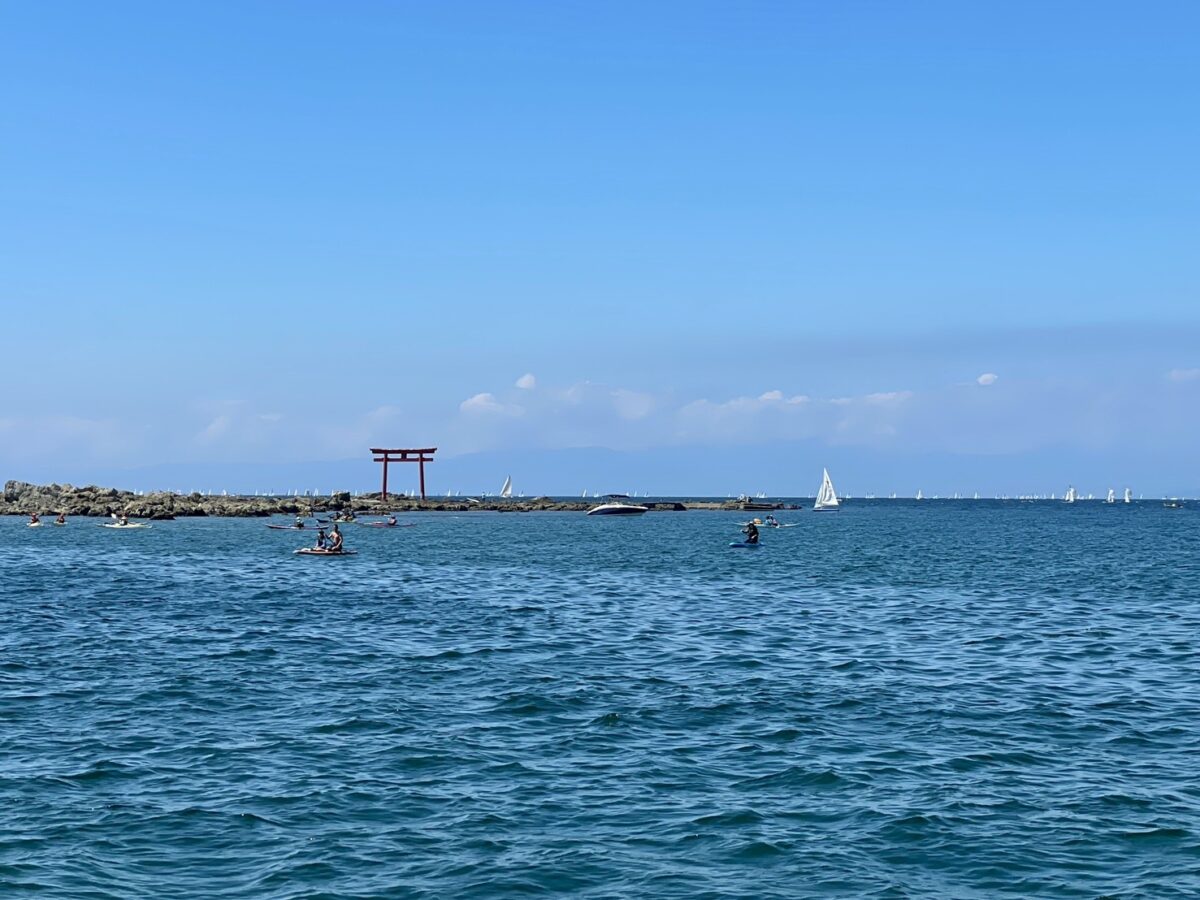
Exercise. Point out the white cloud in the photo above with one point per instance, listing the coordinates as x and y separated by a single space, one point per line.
632 404
987 378
215 430
1184 375
487 404
889 397
526 382
771 395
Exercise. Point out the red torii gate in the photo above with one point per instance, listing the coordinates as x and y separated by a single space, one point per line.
420 457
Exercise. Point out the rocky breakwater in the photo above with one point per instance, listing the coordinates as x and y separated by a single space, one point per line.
21 498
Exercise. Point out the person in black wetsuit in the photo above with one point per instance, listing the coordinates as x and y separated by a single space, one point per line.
751 532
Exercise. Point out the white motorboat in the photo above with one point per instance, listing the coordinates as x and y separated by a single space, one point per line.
616 508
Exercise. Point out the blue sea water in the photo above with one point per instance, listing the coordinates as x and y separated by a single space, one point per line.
901 700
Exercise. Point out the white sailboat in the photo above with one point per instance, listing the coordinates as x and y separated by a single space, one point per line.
920 496
1128 495
827 500
506 491
1070 496
1112 496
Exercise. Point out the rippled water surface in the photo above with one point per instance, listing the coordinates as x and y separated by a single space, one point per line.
900 700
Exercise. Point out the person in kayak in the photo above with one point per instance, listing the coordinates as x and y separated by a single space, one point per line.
335 541
34 520
61 520
751 532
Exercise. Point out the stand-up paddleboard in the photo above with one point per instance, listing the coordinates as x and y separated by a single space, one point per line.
744 545
130 525
313 551
59 524
387 524
33 524
290 528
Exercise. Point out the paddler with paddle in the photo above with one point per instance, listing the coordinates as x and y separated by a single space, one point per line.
751 532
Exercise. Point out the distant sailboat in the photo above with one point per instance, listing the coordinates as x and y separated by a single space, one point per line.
827 500
506 491
1112 496
1128 495
920 496
977 495
1070 496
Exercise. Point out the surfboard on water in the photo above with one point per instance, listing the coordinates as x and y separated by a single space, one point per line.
313 551
744 545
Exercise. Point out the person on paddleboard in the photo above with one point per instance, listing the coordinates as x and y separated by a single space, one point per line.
299 522
33 519
322 541
391 520
751 532
61 520
771 521
123 519
335 540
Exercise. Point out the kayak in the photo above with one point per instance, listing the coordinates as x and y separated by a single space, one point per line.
744 545
60 524
387 524
130 525
289 528
313 551
33 524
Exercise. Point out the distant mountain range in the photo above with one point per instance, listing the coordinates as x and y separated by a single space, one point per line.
775 469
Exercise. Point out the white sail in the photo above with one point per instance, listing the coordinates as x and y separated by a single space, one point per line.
1128 495
506 491
920 496
826 496
1112 496
1069 496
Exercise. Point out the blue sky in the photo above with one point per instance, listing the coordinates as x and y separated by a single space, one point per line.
758 238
